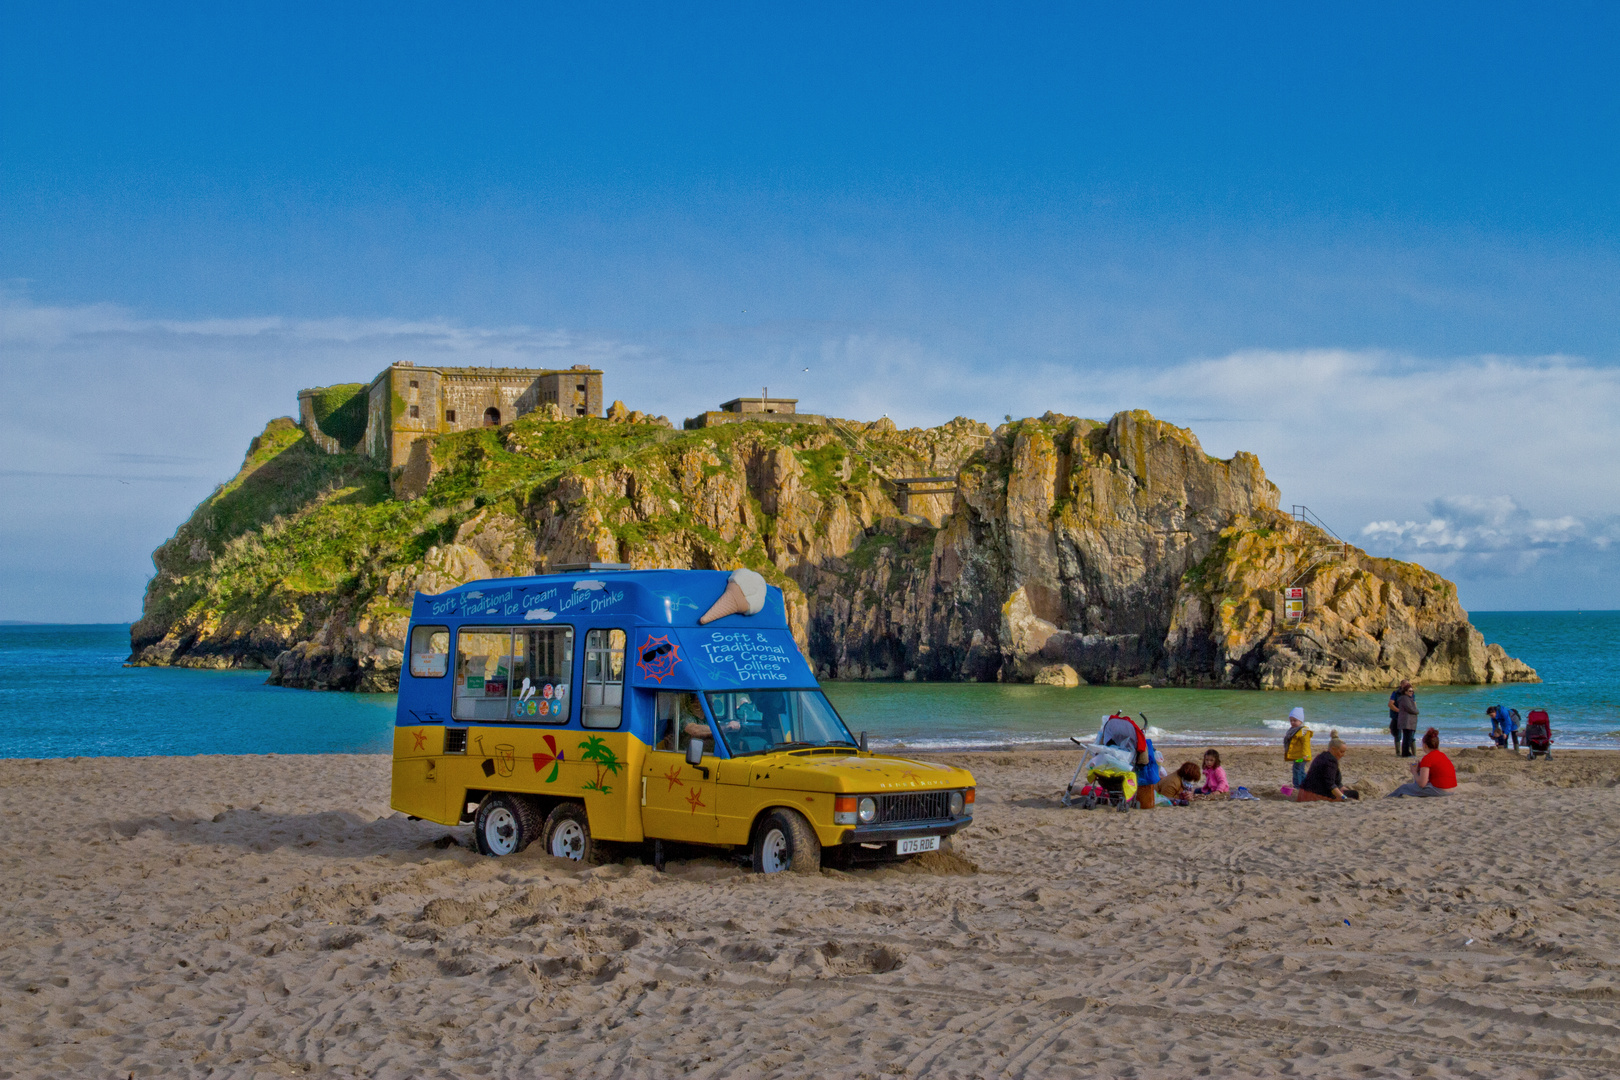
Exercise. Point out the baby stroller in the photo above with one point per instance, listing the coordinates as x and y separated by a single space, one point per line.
1538 734
1108 765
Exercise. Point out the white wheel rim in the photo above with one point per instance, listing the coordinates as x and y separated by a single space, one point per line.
568 841
501 831
774 854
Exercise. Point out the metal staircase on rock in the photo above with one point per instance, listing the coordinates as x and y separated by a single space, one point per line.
1336 548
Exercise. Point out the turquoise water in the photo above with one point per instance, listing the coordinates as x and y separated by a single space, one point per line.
64 692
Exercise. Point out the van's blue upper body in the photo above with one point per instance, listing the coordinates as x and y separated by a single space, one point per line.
657 609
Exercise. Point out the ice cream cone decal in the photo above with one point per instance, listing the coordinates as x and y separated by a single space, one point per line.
744 595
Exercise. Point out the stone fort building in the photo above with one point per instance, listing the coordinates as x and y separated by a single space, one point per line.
405 403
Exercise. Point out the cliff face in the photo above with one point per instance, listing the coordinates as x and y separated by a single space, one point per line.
1071 549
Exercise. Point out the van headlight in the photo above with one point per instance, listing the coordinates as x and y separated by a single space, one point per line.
958 804
867 810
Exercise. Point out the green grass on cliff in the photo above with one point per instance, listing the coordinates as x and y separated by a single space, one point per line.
298 532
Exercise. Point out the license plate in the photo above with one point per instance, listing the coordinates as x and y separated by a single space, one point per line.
916 845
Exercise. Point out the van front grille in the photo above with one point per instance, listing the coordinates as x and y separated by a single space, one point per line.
455 740
914 806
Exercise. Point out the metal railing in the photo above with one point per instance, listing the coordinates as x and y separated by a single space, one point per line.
907 486
1336 548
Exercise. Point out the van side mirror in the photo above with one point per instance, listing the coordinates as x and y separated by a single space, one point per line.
694 752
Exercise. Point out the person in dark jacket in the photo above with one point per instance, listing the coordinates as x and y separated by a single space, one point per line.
1406 706
1323 782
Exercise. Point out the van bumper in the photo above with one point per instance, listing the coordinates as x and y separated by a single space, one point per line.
902 830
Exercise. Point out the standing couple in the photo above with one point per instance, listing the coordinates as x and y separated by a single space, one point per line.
1403 714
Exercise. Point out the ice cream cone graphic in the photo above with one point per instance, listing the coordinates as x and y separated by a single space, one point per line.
744 595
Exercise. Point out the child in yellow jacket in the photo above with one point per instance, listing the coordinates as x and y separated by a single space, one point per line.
1297 744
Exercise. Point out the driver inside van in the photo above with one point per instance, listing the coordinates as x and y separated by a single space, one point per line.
680 719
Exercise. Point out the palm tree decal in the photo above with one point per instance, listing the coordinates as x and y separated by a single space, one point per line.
600 754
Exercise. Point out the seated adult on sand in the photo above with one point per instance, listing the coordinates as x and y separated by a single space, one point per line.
1433 775
1322 780
1179 784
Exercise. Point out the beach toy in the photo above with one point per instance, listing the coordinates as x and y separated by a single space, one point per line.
745 594
1286 790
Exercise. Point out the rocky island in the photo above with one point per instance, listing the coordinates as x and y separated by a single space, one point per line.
1051 549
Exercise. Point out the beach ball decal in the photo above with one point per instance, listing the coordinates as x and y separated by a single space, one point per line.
551 756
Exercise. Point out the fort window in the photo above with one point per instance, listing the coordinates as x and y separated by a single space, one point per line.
449 416
492 417
416 412
413 384
581 388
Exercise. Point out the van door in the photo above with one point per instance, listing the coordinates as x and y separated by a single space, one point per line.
677 800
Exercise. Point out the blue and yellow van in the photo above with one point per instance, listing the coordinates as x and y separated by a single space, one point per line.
603 706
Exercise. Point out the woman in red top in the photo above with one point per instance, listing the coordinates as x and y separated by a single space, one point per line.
1433 775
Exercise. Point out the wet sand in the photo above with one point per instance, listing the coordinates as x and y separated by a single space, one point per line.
269 916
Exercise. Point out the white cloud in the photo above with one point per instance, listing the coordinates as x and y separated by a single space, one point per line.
1480 537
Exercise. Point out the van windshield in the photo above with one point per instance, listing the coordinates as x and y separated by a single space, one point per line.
759 721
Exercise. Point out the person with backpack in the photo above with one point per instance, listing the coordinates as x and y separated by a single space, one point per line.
1406 707
1395 718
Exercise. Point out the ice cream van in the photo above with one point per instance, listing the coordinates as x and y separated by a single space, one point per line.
603 706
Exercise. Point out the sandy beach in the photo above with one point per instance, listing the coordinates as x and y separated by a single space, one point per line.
269 916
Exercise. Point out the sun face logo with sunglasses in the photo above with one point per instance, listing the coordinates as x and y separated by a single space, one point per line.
657 657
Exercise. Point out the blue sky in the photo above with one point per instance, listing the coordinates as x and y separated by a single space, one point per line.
1375 244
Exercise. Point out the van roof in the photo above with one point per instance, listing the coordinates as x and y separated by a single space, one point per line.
658 597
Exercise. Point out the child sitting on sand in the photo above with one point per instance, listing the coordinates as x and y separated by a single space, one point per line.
1179 784
1214 785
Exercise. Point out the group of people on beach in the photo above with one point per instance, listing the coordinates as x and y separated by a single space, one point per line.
1318 779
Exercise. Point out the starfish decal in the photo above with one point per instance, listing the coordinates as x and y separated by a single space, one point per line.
674 778
421 740
694 799
908 774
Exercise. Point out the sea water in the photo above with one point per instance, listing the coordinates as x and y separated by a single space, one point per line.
65 692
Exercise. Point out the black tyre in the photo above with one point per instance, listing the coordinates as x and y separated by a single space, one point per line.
839 858
785 841
568 835
1088 802
1125 806
505 824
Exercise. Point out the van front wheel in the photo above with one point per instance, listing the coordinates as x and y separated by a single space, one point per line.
505 825
568 834
785 841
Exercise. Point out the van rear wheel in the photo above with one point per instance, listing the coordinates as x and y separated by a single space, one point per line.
505 825
568 835
785 841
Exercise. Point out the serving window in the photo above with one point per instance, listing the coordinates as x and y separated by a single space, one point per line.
604 678
430 651
521 673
